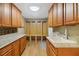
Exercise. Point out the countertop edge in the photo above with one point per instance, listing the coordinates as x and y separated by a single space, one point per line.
55 44
15 39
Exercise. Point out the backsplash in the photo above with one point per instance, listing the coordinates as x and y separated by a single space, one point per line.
61 30
4 31
73 31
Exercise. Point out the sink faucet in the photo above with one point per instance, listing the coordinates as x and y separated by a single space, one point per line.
66 32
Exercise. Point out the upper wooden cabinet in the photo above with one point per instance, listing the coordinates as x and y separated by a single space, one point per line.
0 15
63 14
57 15
78 12
18 17
14 16
70 13
5 15
17 20
54 15
10 16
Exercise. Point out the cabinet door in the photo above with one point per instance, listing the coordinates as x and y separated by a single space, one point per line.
9 53
57 15
16 48
49 49
50 18
14 16
78 11
69 13
54 15
5 50
60 14
22 44
0 14
18 17
6 14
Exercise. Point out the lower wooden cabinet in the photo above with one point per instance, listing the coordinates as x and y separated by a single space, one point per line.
8 53
7 50
52 51
23 42
14 49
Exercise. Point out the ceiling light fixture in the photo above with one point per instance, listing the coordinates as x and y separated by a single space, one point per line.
34 8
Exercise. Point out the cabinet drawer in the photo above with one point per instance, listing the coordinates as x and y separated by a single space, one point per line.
5 49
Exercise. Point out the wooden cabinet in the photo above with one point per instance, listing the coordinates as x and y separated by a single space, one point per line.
23 42
10 15
18 17
54 15
6 51
60 15
70 13
57 15
63 14
17 20
0 14
14 16
50 18
68 51
9 53
51 50
5 14
15 48
54 51
78 12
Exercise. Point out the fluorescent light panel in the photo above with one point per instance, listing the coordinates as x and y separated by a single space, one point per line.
34 8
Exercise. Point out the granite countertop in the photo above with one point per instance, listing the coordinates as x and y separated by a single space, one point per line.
62 43
7 39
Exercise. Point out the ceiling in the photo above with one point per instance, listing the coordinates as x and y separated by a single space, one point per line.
27 13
